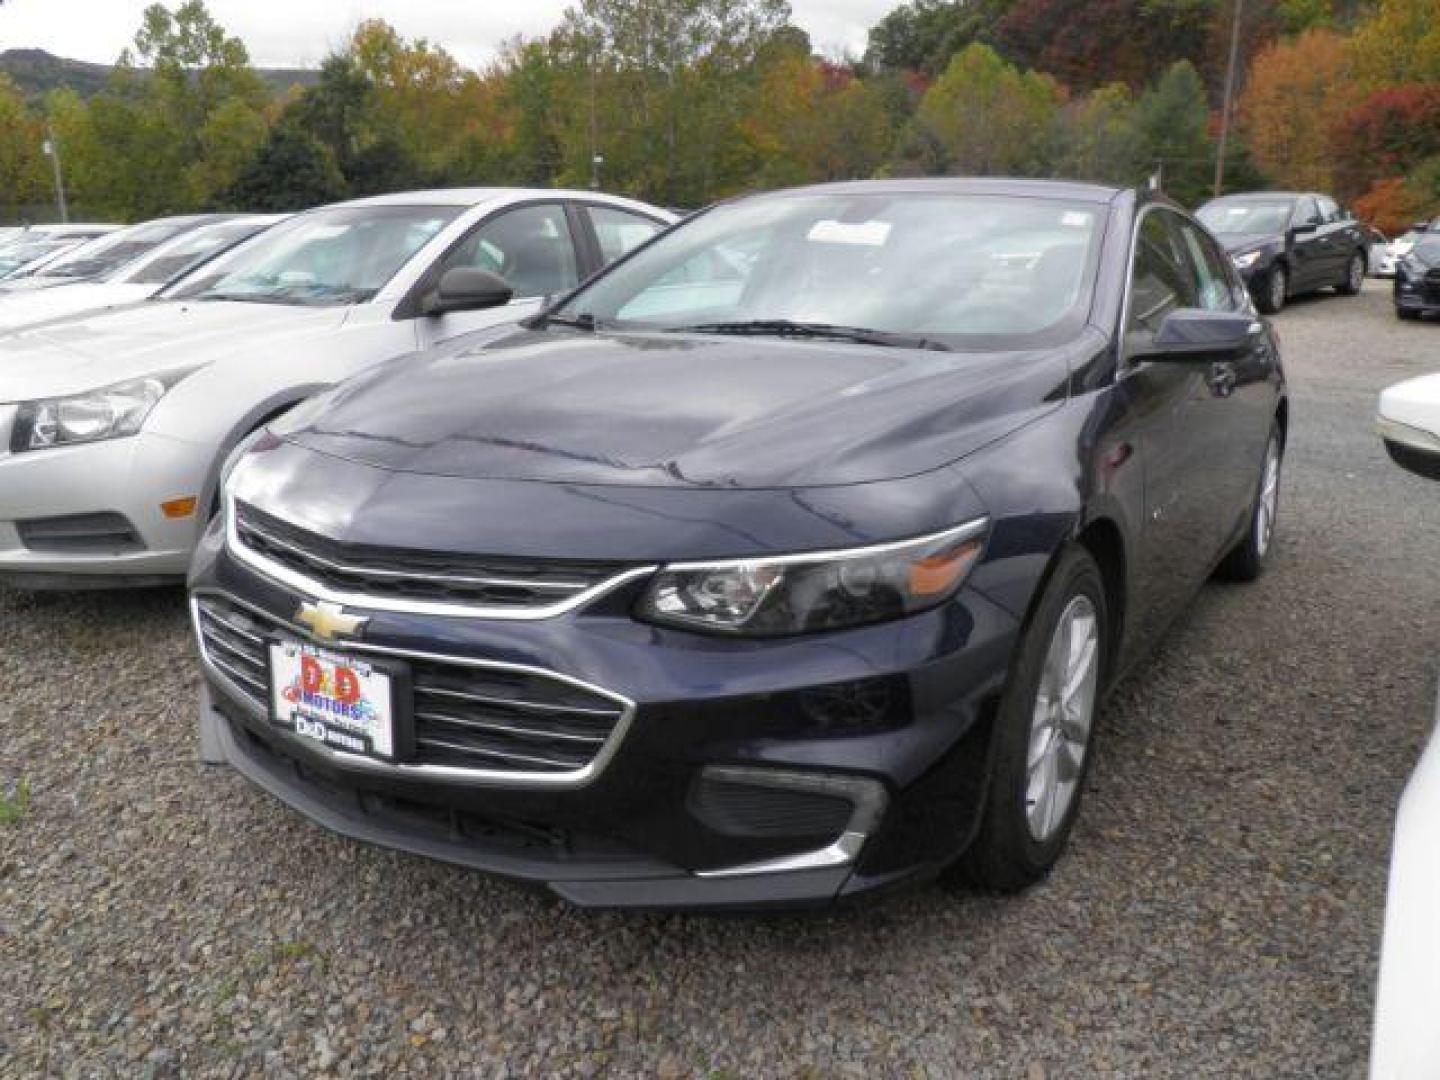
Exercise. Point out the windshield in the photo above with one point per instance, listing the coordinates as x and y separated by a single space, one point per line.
22 253
340 256
104 255
1236 216
1428 249
172 259
953 271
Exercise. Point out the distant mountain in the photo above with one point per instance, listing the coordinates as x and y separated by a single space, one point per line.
37 72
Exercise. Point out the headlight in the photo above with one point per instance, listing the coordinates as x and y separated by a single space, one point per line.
799 594
1249 259
108 413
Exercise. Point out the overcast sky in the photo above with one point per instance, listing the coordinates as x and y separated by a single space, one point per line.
284 33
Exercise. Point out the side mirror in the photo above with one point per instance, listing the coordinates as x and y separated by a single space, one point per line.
1304 228
465 288
1198 334
1409 424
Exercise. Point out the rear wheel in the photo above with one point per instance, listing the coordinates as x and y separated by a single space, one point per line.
1354 275
1246 560
1044 731
1274 289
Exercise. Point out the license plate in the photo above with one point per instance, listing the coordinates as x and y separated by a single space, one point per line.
339 701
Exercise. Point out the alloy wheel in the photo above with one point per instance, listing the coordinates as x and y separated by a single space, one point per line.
1268 505
1060 724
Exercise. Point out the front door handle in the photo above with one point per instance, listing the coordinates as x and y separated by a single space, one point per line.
1222 379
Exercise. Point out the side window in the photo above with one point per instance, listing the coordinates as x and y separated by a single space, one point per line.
1329 211
1212 279
530 247
620 231
1306 212
1162 279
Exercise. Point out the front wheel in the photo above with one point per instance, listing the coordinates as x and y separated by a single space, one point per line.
1043 731
1354 276
1246 560
1274 289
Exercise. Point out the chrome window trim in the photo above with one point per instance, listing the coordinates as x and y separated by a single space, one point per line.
452 774
319 591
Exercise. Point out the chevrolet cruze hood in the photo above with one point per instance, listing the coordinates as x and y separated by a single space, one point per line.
72 355
684 410
22 310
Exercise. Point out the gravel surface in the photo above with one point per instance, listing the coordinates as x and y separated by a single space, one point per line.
1219 913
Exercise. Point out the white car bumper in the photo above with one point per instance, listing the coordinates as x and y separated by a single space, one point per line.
83 514
1407 1035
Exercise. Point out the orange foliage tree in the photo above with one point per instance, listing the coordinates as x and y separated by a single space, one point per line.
1291 97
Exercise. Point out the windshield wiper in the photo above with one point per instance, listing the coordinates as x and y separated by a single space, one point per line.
787 328
582 321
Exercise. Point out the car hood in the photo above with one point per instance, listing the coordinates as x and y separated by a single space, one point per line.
26 309
674 410
1235 243
71 355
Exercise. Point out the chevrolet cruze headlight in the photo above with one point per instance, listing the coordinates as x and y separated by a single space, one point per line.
1246 261
108 413
798 594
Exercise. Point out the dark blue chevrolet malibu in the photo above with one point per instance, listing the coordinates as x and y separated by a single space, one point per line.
787 559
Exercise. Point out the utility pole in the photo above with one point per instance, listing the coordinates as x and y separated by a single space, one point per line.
52 151
1226 105
596 160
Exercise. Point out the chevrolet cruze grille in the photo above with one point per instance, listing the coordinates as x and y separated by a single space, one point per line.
392 575
466 714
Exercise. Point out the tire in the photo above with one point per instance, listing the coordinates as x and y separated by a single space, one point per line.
1274 290
1246 560
1354 276
1021 835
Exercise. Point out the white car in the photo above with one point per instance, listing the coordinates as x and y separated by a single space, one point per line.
41 244
1407 1038
114 428
1388 262
55 294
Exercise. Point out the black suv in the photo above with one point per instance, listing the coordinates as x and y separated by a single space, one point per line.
1287 243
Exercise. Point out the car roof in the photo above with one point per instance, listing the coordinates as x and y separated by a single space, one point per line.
475 196
1269 195
959 185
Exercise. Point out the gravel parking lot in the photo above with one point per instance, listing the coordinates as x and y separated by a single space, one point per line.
1219 913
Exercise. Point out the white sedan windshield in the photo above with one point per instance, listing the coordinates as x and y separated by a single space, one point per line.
339 256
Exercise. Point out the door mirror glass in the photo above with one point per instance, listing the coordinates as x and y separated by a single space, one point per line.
467 288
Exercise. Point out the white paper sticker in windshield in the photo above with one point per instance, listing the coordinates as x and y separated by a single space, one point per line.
863 233
1075 219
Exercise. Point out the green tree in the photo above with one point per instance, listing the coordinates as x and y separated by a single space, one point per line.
1174 120
1098 138
924 34
985 117
292 171
24 177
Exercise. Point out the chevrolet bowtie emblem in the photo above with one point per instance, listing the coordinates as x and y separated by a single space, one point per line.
330 620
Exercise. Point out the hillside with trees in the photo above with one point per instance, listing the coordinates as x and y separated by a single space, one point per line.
684 101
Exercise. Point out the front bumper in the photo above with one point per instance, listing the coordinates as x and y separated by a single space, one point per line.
1407 1040
120 482
637 834
1416 294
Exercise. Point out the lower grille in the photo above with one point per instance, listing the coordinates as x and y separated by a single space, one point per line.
80 534
466 715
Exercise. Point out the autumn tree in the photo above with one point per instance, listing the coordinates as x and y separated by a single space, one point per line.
1291 98
1387 135
1399 43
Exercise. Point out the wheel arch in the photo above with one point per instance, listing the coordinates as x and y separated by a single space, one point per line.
1103 540
255 418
